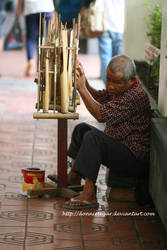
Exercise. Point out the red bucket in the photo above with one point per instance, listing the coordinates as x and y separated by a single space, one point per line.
33 178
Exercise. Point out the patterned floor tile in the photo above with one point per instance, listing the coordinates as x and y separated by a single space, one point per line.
116 243
59 245
13 216
12 238
51 235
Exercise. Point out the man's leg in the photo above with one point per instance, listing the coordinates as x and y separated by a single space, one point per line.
77 136
105 52
31 40
116 43
2 21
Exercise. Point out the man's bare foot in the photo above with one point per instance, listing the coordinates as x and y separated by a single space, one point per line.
87 199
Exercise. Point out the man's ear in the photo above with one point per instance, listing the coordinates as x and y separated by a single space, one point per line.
132 81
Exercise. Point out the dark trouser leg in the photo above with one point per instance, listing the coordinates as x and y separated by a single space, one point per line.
31 34
79 131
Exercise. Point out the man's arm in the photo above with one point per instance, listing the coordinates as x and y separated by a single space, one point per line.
87 93
91 90
85 5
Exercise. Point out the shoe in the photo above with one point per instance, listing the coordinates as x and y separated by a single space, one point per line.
120 194
83 204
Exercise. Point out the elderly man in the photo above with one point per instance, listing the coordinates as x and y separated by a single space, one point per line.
124 144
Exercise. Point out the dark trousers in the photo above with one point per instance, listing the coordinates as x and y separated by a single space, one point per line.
32 27
90 148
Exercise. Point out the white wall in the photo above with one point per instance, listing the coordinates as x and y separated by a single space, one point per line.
136 28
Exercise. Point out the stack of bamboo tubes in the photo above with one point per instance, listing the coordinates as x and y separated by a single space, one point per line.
57 55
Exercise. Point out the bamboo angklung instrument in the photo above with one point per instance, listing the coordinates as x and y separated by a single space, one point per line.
57 56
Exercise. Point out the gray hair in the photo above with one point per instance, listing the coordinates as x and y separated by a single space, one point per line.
123 64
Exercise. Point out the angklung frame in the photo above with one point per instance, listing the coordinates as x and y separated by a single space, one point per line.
56 79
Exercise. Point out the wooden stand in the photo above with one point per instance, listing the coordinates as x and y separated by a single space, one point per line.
59 189
62 152
51 189
57 97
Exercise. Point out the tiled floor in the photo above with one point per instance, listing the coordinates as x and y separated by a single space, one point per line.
42 223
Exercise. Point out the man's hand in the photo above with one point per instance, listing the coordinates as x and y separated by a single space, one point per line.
82 10
80 77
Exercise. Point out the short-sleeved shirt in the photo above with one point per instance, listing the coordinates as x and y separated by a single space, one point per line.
38 6
70 9
128 117
115 15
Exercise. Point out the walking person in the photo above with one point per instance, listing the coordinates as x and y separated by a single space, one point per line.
110 42
32 10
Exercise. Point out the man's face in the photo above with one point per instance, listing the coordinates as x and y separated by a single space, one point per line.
115 83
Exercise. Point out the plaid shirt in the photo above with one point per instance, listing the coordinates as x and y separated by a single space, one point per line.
127 118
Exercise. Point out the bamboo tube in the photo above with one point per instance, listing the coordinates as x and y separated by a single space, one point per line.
55 71
73 59
39 60
70 65
63 75
55 81
40 115
44 29
48 37
46 95
56 58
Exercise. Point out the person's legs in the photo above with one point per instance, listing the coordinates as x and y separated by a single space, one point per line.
105 52
2 21
116 43
32 24
96 149
31 39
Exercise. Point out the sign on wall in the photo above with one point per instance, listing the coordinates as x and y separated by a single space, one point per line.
151 54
